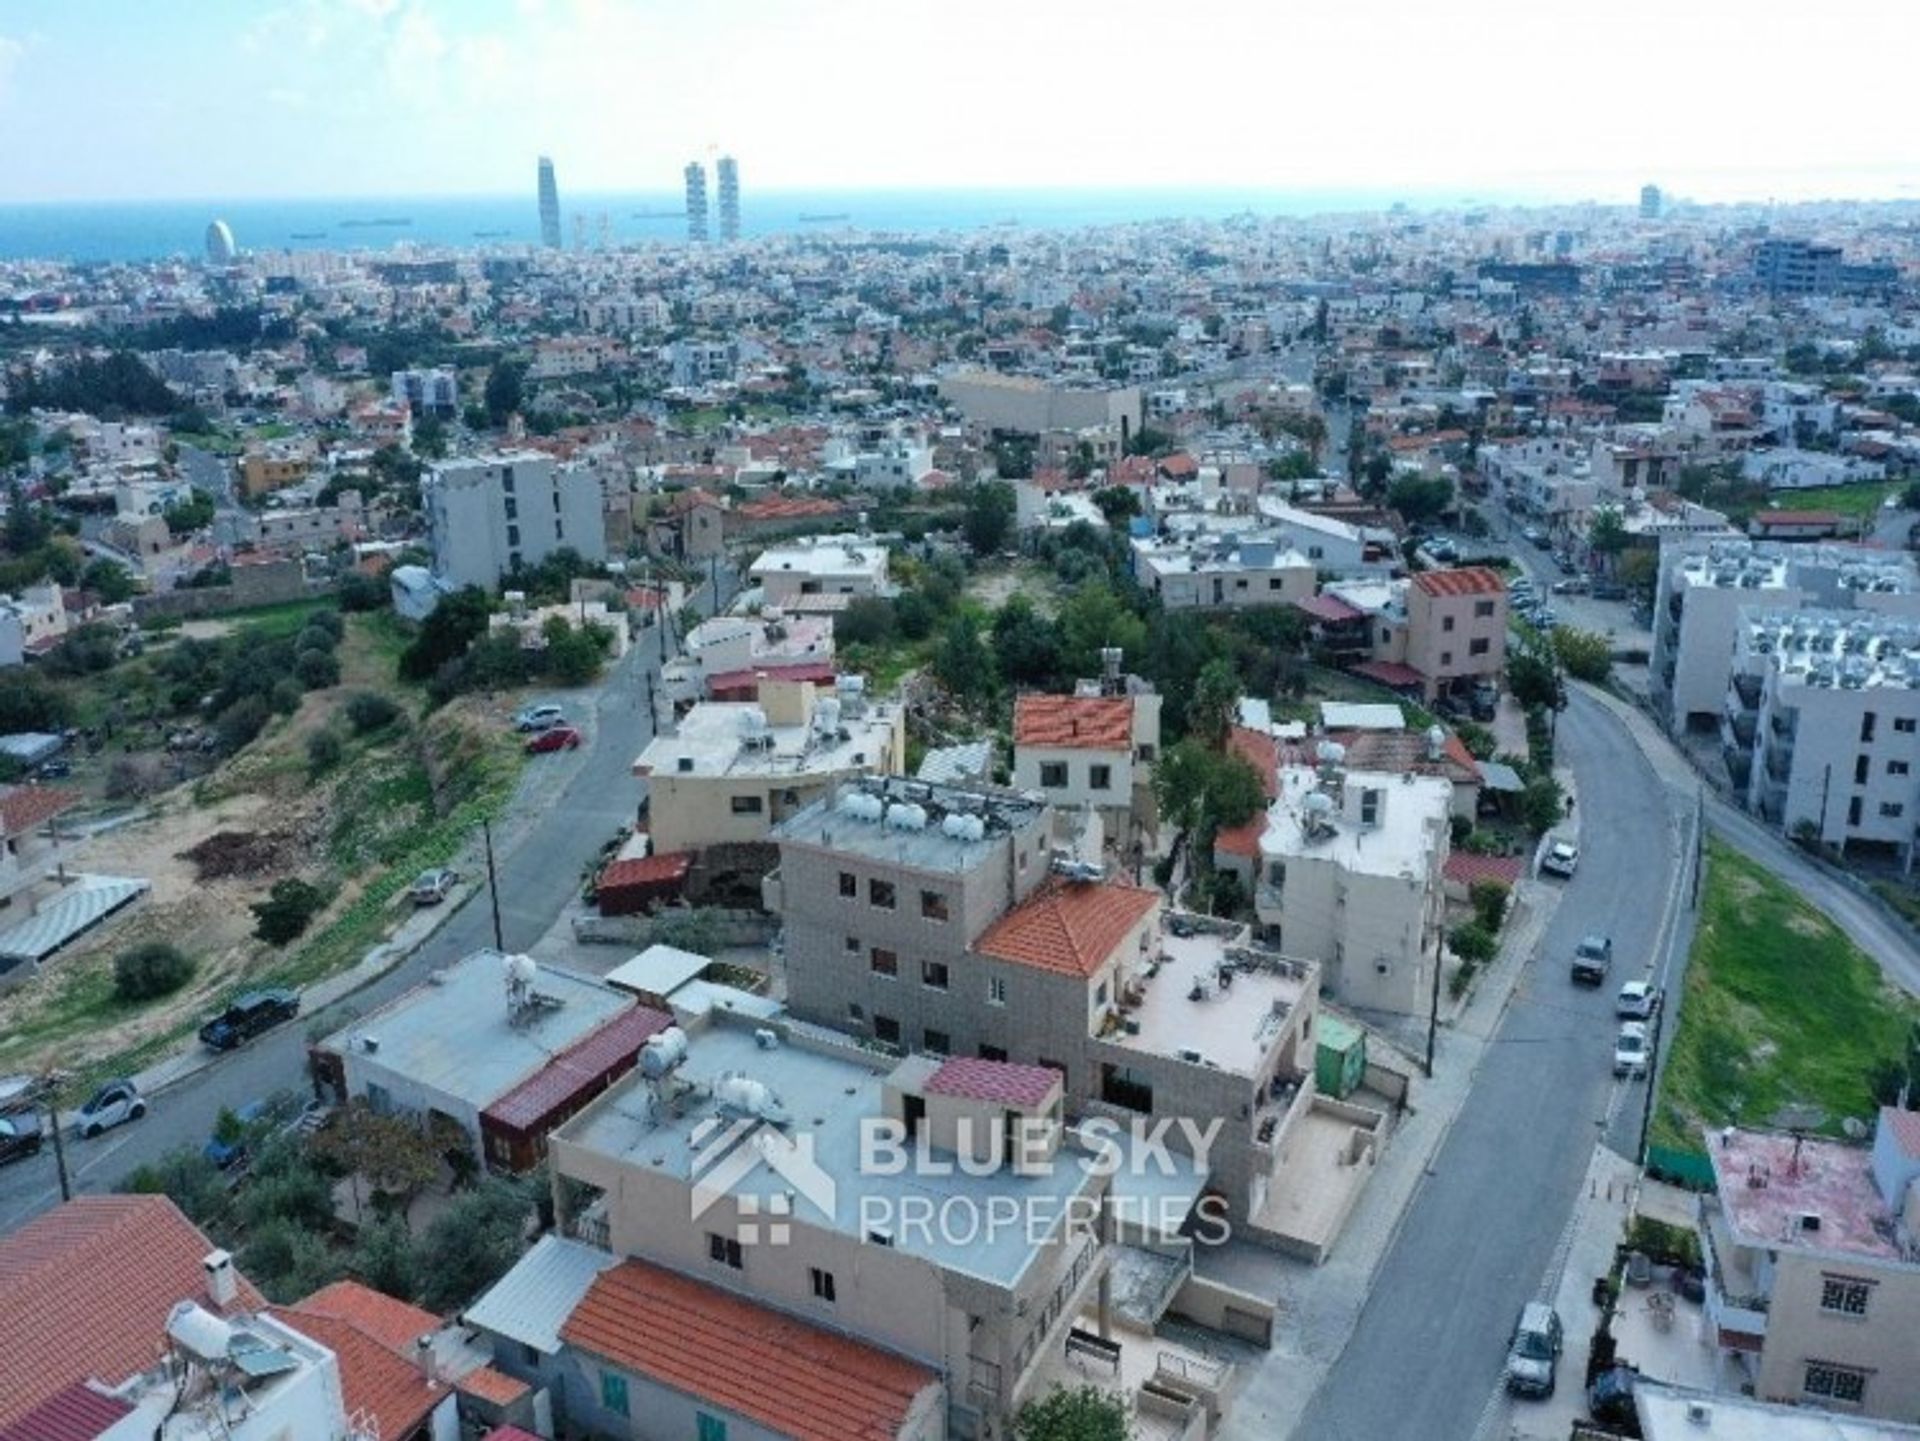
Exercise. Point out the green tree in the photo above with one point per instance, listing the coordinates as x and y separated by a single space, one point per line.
186 516
505 390
430 436
572 656
472 1243
988 521
189 1180
149 970
1585 654
1092 618
324 751
1418 498
1118 503
1541 804
1085 1414
1608 532
369 711
867 620
1489 900
1533 675
1024 643
1201 790
317 669
109 580
1215 703
447 631
287 912
391 1153
288 1261
383 1258
1472 942
963 663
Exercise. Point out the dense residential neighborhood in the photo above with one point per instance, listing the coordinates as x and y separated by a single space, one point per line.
1278 826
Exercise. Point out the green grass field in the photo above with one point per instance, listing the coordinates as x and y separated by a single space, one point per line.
1780 1009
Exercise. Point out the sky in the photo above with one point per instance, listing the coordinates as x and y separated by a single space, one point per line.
209 99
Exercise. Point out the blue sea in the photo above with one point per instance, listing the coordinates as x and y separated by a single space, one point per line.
149 230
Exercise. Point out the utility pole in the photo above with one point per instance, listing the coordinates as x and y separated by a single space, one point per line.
493 886
59 1142
1433 1010
1653 1068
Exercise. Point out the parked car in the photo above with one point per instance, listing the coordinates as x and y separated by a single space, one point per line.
1636 1001
1591 958
1485 702
1630 1049
111 1105
1610 1398
1575 585
1562 859
248 1016
1533 1353
1609 590
538 718
1535 535
19 1137
434 886
559 738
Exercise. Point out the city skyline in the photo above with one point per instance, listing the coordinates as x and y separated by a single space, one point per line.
224 94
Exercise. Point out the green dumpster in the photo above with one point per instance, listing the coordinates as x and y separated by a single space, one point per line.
1340 1057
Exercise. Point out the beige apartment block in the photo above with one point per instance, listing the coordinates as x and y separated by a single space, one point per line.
1457 628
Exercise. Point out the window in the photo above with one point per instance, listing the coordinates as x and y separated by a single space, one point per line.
1844 1296
559 530
885 1028
1053 774
1897 768
1446 622
513 508
853 945
1273 582
1827 1382
849 887
613 1393
933 906
856 1011
513 535
1446 657
1479 647
996 990
933 974
883 962
1100 994
708 1428
937 1043
1905 725
556 502
1370 807
1143 753
725 1250
822 1283
1100 777
1892 810
746 805
1866 726
880 893
1860 764
506 479
1482 609
1124 1086
1853 811
992 1053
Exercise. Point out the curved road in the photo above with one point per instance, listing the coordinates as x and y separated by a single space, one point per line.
539 865
1489 1222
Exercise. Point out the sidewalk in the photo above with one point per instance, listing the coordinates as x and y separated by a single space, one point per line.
1320 1306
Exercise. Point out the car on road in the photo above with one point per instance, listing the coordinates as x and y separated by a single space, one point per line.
1590 960
233 1138
248 1016
113 1104
1573 585
539 718
1609 590
1562 859
1534 535
560 738
1636 1001
19 1137
1630 1049
1533 1353
432 887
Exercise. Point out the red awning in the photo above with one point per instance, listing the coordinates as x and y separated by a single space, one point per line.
1391 673
746 683
1330 608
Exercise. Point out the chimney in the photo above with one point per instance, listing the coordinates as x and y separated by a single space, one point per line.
223 1287
424 1358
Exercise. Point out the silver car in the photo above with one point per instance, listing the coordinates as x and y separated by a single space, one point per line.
1533 1354
113 1104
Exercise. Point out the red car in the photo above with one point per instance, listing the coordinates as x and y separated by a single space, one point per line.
560 738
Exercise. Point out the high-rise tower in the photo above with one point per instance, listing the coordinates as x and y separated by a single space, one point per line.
220 246
1652 202
549 206
728 171
697 202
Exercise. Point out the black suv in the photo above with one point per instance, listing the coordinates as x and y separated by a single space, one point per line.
249 1015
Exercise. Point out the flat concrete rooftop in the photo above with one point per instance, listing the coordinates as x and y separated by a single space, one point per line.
1232 1025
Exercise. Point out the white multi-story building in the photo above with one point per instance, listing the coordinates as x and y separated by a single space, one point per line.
489 515
702 362
1091 750
1706 587
853 565
1207 572
427 392
31 623
1350 876
1822 725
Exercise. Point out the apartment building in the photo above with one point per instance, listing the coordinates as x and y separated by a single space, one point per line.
731 653
1456 629
1027 405
1821 726
32 623
433 392
853 565
488 516
729 772
937 919
1092 751
264 469
1349 874
864 1317
1224 572
1706 586
1813 1264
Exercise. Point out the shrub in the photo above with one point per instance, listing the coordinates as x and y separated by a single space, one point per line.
316 637
285 696
1541 804
324 750
317 669
1472 942
362 593
150 970
240 722
328 621
1489 904
369 710
287 912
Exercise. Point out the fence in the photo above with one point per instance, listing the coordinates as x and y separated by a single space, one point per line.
1686 1168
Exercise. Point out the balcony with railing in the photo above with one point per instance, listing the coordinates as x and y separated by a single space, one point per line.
1737 1300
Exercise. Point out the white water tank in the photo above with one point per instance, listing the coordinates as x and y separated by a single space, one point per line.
962 827
753 722
906 816
663 1052
199 1332
1436 742
521 970
861 806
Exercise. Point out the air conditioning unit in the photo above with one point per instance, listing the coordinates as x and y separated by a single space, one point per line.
1699 1413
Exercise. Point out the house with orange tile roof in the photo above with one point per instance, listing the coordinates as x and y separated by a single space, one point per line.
29 843
1456 629
1093 752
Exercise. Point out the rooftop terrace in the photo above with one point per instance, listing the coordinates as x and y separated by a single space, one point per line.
1781 1191
848 821
1210 994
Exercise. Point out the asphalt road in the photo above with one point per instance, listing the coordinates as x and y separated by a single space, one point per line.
1488 1225
539 867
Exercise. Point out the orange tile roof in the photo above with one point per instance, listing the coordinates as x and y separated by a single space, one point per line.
394 1324
1467 580
494 1387
1068 928
372 1379
1100 723
27 808
780 1372
85 1291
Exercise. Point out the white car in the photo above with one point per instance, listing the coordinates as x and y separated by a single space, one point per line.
539 718
1636 1001
1630 1050
1562 859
